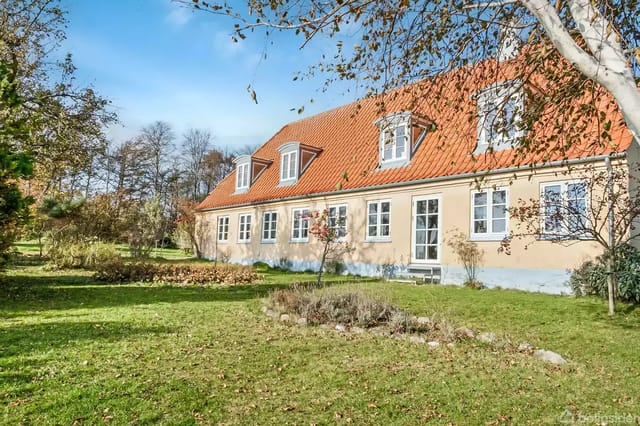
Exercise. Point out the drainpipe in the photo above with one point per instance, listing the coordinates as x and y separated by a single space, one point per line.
611 258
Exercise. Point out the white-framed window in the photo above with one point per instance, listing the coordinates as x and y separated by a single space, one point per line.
289 166
244 228
426 227
223 229
300 225
564 209
489 218
337 220
378 220
395 139
243 175
500 109
269 226
394 143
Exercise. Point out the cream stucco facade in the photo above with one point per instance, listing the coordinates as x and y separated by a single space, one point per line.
532 265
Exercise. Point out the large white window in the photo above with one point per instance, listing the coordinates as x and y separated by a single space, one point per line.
489 214
500 110
244 228
269 226
394 143
300 225
564 209
289 166
426 230
243 175
378 220
223 228
337 220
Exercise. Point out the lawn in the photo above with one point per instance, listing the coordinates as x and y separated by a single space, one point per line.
79 352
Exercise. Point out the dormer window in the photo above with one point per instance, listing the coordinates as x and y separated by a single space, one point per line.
500 108
400 135
289 166
243 173
248 169
294 160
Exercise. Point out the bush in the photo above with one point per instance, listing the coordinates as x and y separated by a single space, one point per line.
183 273
590 279
87 255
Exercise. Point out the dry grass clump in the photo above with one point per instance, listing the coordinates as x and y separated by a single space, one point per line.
356 309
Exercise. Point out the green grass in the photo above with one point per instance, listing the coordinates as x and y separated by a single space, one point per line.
31 248
76 351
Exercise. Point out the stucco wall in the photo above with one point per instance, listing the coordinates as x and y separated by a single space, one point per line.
532 265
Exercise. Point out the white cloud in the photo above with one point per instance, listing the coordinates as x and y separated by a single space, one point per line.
179 16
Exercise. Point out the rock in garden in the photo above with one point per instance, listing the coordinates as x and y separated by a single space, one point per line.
433 344
417 339
451 345
284 317
264 309
340 328
465 332
302 321
525 347
271 313
423 321
487 337
549 356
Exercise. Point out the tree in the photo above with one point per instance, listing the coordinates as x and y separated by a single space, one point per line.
330 232
187 223
601 205
157 139
579 45
195 146
66 122
216 165
14 164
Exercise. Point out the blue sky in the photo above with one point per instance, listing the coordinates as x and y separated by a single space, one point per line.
156 60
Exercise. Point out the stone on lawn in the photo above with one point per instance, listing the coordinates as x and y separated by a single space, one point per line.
302 321
271 313
417 339
340 328
285 317
423 321
525 347
433 344
465 332
487 337
549 356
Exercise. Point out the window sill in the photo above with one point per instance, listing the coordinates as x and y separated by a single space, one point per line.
393 164
487 237
244 241
287 182
377 240
240 191
222 241
551 237
299 241
268 242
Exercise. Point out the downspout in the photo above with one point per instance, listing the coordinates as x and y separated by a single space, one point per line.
611 258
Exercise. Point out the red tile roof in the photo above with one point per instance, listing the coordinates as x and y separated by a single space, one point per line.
349 140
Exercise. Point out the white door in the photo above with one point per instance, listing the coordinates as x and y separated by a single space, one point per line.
425 244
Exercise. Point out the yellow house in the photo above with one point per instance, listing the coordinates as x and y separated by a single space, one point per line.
399 173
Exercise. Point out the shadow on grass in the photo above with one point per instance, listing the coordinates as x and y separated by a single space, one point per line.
26 298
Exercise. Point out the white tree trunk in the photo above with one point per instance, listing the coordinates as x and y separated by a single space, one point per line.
605 63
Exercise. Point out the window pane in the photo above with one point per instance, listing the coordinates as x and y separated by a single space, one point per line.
384 218
421 222
385 207
498 212
433 206
480 199
420 252
372 231
432 237
400 141
384 231
499 197
421 207
373 208
480 213
292 165
432 252
432 221
499 225
421 237
480 226
576 190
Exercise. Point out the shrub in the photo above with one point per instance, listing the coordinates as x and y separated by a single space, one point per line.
471 257
590 279
82 254
183 273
